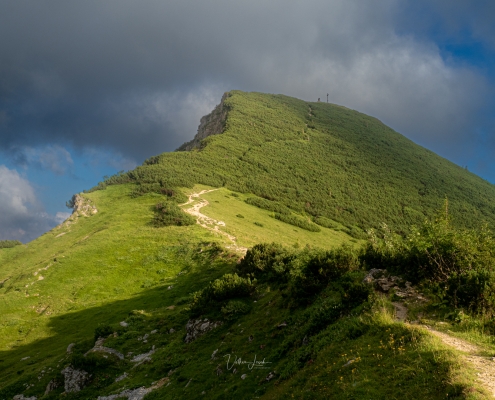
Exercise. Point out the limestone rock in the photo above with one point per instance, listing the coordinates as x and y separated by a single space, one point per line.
74 379
121 377
135 394
211 124
384 282
142 358
52 385
98 347
198 327
270 376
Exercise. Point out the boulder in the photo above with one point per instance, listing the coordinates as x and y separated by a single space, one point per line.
198 327
74 379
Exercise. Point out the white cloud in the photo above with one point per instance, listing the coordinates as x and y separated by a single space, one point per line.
21 215
61 217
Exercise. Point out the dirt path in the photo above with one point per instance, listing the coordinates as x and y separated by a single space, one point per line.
485 366
207 222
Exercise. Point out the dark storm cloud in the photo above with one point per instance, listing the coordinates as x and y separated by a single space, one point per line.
136 77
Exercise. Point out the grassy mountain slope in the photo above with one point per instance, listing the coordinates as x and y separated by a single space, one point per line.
305 310
59 288
324 160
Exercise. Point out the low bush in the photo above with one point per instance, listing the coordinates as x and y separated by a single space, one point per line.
213 297
266 262
268 205
458 263
321 268
4 244
169 213
297 221
102 331
325 222
235 308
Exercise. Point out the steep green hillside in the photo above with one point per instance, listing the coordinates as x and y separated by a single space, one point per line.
154 257
322 160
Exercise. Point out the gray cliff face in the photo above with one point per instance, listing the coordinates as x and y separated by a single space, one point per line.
211 124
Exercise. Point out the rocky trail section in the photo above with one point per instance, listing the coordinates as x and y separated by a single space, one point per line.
207 222
384 282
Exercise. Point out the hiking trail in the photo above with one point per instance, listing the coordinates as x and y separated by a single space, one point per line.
484 366
207 222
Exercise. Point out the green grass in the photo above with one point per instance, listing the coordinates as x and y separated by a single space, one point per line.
225 207
111 257
115 266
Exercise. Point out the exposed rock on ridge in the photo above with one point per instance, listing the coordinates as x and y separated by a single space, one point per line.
81 207
211 124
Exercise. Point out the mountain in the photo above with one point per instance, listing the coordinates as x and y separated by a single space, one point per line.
321 160
147 288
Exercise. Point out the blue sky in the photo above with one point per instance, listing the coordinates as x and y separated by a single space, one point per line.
91 88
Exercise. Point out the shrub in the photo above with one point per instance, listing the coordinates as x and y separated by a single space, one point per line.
266 262
227 287
322 268
357 233
297 221
268 205
102 331
457 262
325 222
169 213
9 243
235 308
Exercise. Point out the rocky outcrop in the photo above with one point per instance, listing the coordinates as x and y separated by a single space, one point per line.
211 124
74 379
383 281
21 397
82 206
99 348
52 385
198 327
145 357
136 394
